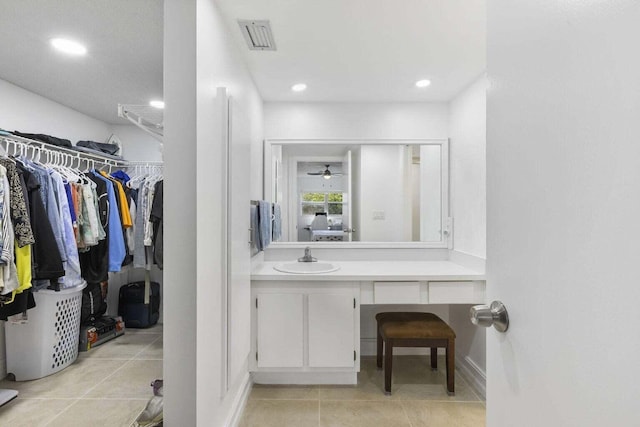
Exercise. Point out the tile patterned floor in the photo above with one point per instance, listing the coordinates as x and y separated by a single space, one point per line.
419 399
105 387
109 387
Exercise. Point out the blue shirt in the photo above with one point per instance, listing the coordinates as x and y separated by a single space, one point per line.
117 251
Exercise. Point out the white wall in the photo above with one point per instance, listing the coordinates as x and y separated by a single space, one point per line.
27 112
467 124
467 127
200 55
137 144
180 234
355 120
384 193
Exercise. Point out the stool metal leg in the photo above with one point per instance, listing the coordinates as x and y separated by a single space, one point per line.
451 366
388 362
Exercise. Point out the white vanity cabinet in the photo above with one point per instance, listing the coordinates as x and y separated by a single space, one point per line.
279 320
305 332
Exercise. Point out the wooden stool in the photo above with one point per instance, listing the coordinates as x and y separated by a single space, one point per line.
415 330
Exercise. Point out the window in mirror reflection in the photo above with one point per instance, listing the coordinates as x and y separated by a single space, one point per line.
360 192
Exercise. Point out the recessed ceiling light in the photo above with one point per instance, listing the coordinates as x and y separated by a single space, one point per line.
68 46
423 83
156 103
299 87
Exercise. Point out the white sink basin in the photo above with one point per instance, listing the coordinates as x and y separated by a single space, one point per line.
306 267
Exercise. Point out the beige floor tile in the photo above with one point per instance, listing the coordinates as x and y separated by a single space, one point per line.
361 391
280 413
432 392
155 329
72 382
126 346
413 379
100 413
362 414
32 412
131 381
445 414
154 351
261 392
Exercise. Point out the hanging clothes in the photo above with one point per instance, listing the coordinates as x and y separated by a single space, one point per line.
47 262
19 209
117 250
8 274
156 219
94 262
72 268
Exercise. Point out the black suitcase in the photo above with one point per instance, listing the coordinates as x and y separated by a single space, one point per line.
131 306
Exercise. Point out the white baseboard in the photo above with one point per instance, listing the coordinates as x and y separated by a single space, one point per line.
239 402
368 348
472 374
305 378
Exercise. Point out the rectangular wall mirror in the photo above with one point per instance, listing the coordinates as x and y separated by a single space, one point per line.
369 191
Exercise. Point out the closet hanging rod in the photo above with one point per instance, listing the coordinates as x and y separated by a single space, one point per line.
159 163
53 150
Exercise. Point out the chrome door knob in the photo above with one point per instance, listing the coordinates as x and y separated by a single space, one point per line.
490 315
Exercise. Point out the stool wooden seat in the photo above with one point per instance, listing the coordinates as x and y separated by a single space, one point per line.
406 329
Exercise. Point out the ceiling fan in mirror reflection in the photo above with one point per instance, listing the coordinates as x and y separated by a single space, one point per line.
326 174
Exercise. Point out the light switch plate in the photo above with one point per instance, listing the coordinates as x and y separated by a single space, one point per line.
378 215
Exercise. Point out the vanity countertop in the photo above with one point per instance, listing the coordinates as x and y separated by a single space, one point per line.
375 270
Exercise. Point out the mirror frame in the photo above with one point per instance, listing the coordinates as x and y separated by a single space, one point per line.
447 222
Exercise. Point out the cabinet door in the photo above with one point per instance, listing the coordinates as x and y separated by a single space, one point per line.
280 330
331 330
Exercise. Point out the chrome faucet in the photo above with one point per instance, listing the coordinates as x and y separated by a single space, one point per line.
307 256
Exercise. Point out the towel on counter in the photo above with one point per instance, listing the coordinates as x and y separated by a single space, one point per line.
277 222
264 218
256 245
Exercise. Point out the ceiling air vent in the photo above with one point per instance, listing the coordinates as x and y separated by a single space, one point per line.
257 34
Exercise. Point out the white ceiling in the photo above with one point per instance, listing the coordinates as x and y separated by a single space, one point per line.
345 50
124 60
364 50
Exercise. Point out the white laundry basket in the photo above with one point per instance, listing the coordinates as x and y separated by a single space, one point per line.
48 342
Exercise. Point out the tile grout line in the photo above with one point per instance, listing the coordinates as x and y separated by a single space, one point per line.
404 410
319 417
62 412
127 361
76 400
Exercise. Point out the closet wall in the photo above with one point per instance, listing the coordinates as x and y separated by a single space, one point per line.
201 55
139 144
26 111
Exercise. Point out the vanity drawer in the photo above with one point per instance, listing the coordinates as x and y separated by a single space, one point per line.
396 292
456 292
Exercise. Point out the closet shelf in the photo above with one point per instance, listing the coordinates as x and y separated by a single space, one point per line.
20 145
147 118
